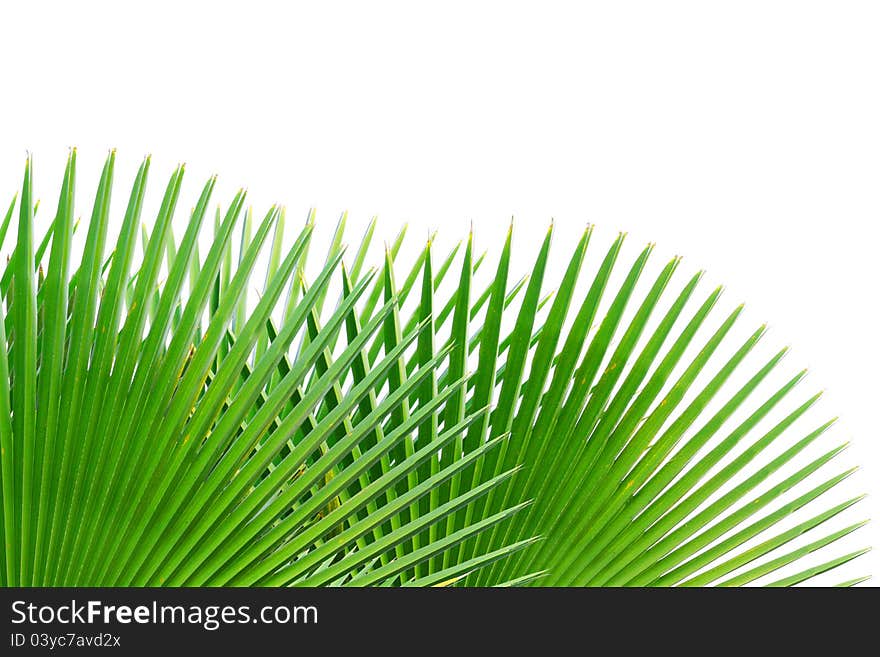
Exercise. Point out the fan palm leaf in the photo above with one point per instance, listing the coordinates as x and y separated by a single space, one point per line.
633 480
160 425
157 430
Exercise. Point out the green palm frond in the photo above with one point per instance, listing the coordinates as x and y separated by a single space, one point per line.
633 481
159 430
423 423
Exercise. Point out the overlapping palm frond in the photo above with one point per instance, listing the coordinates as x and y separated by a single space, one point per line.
164 426
633 480
157 430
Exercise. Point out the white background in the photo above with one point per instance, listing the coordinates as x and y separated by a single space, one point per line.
744 136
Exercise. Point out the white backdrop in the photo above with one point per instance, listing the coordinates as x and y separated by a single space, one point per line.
744 136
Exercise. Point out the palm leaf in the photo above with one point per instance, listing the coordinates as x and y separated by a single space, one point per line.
165 427
620 421
141 445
